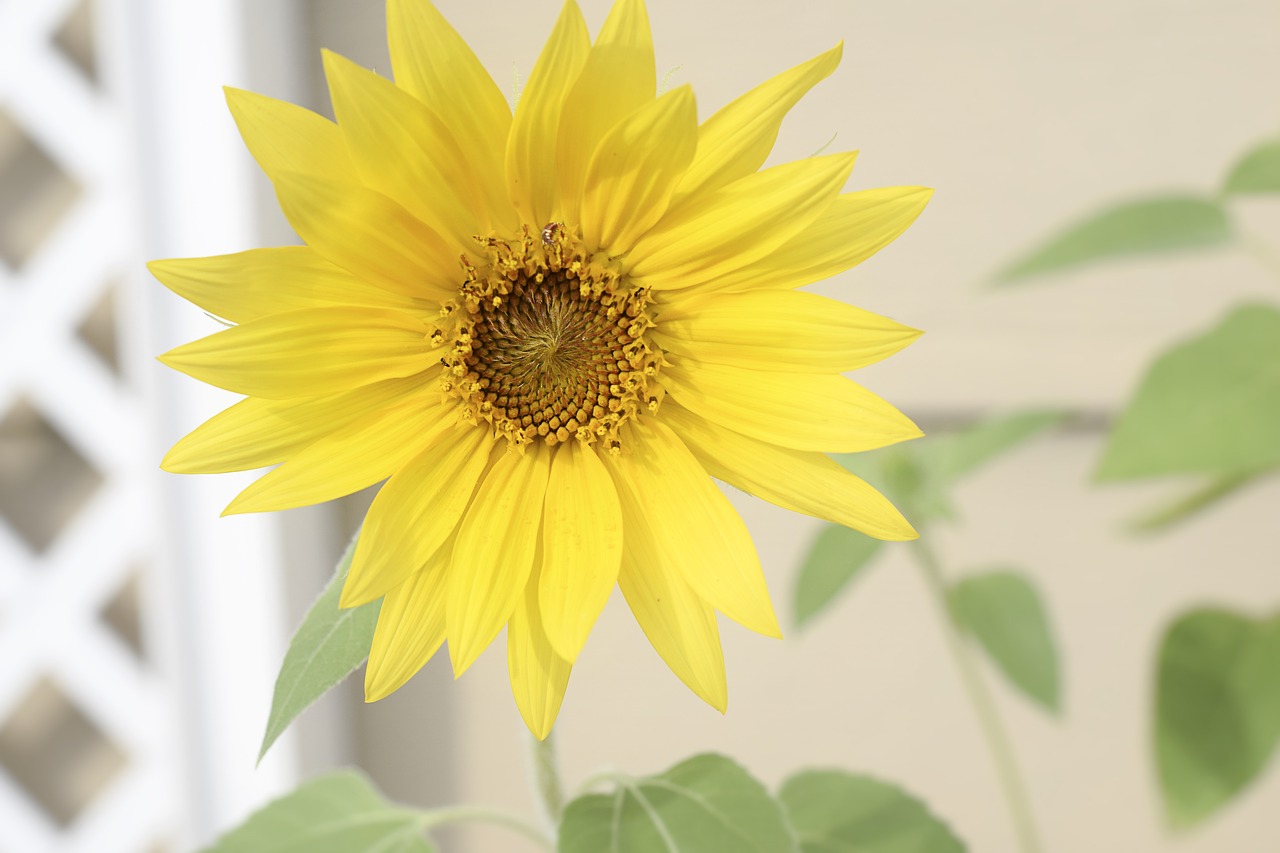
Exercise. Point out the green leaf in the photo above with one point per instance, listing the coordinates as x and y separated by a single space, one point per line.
1217 709
707 804
1207 406
837 812
1004 612
1194 502
1257 172
954 456
1147 226
837 556
329 645
917 476
339 813
913 483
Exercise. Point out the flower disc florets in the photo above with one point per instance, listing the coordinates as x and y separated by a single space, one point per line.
549 343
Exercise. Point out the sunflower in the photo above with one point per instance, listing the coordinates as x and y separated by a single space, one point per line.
547 331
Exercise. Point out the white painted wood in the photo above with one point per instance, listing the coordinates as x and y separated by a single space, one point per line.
222 583
161 173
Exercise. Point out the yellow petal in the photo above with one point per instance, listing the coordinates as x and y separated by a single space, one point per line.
852 229
417 510
365 451
255 432
284 137
679 624
801 481
531 149
370 236
782 330
410 630
433 63
539 676
617 79
802 411
693 525
581 547
712 235
308 353
494 555
251 285
737 140
634 171
405 152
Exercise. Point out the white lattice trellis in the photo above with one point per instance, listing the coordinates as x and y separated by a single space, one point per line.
108 745
59 656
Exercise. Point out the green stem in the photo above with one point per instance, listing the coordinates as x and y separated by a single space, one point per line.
1015 790
546 777
483 814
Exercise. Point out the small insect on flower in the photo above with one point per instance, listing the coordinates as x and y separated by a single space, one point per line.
549 233
547 419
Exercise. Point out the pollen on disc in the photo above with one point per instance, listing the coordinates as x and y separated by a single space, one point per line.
550 345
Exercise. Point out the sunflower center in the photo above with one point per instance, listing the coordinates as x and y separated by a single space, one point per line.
549 344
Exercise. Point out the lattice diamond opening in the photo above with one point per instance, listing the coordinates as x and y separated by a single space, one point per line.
89 724
75 40
123 614
35 193
99 330
44 481
56 753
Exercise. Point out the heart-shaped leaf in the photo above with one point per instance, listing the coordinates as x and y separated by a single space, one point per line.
1217 709
838 812
1207 406
707 804
1003 611
338 813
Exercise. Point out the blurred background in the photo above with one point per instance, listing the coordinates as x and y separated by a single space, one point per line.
140 634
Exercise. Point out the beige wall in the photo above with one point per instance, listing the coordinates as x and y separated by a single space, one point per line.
1023 115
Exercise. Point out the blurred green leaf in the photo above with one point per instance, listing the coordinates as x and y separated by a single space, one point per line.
954 456
1004 612
1194 502
914 484
836 557
1207 406
837 812
899 473
1148 226
706 804
329 645
1258 171
1217 709
916 476
339 813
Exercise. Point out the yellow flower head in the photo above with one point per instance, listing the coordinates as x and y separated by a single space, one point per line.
546 331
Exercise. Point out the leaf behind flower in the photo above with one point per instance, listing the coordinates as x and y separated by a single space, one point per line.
329 645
